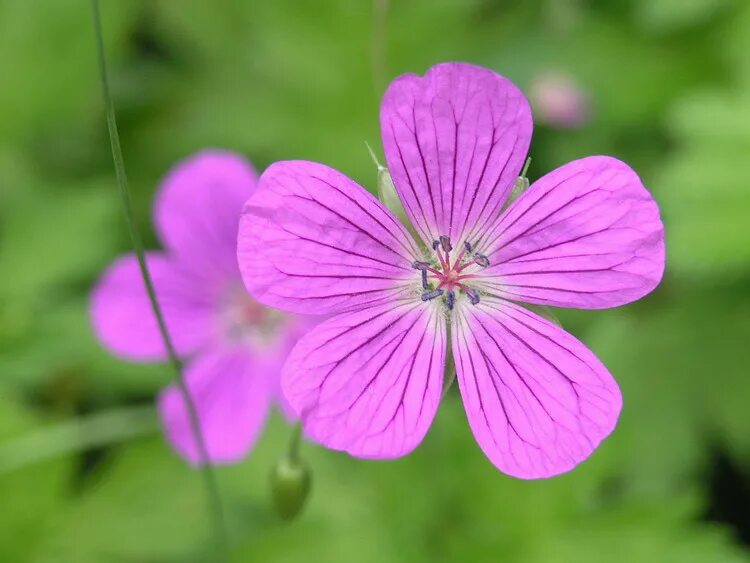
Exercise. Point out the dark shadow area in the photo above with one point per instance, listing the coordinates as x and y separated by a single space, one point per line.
729 495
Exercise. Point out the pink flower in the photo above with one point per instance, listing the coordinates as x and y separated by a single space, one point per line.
369 379
559 101
235 346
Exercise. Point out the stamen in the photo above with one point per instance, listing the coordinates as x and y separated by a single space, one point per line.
481 259
444 260
432 294
449 280
460 256
463 266
425 267
473 295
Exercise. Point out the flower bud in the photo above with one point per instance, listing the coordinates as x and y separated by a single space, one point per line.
388 195
519 186
290 486
559 101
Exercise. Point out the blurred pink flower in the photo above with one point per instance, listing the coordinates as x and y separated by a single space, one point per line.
234 346
559 101
368 380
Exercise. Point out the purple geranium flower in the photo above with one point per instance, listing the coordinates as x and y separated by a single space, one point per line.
234 345
368 380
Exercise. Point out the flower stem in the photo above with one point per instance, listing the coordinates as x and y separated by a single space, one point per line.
295 439
212 489
77 434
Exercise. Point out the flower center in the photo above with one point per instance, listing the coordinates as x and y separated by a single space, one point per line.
244 320
446 275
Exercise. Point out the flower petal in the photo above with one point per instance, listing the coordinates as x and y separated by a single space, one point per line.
198 210
455 142
232 396
313 241
587 235
369 382
124 321
538 401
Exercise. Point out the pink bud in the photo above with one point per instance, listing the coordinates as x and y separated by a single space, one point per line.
559 101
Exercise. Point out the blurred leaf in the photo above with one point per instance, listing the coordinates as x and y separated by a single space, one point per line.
33 497
60 343
683 371
640 534
669 15
142 505
54 238
47 61
703 188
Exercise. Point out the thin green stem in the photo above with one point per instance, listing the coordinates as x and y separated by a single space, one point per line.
212 489
295 440
77 434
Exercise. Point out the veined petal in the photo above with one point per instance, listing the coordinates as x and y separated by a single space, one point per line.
313 241
232 396
455 141
538 401
587 235
198 208
369 382
124 320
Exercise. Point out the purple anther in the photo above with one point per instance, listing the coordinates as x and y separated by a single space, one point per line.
473 295
424 279
435 244
445 242
450 300
467 246
481 259
432 294
418 265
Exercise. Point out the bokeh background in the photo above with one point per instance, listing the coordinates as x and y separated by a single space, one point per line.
85 475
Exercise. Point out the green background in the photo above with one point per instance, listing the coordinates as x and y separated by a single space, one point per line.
669 82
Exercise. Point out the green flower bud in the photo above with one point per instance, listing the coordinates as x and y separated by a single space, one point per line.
388 195
519 186
290 486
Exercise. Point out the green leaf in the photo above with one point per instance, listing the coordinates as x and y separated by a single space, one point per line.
32 497
683 371
703 187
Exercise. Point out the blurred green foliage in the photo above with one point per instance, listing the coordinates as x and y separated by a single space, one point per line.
670 86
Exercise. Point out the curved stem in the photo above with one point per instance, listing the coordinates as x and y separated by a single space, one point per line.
212 489
295 440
